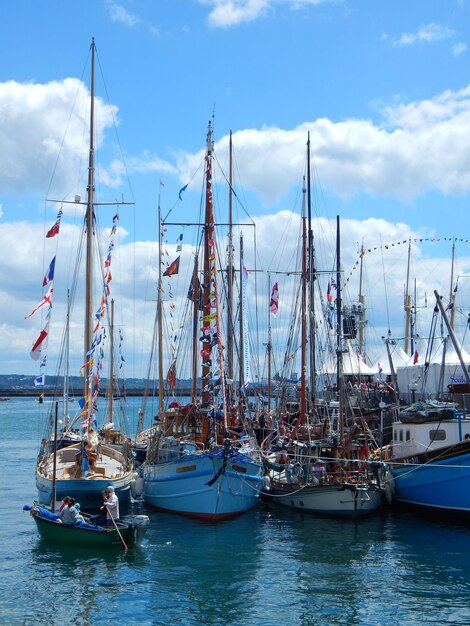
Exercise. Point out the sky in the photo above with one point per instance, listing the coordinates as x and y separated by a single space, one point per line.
383 89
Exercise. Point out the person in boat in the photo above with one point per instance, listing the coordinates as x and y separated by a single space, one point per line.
69 514
109 510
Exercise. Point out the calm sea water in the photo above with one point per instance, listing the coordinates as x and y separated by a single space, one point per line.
268 567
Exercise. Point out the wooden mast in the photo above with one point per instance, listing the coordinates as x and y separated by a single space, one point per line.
230 272
195 329
407 303
206 299
339 343
452 294
361 303
160 314
311 283
89 224
303 380
241 322
269 348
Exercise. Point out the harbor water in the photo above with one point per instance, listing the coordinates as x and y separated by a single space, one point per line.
268 567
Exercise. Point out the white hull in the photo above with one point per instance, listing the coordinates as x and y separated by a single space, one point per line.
345 500
110 469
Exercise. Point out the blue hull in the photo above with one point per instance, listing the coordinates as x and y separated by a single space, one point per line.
439 483
202 486
89 493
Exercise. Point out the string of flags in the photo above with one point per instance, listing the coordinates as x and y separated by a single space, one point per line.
388 246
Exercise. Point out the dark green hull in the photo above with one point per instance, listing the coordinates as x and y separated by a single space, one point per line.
75 535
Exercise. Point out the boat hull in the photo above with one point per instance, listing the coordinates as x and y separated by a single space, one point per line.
201 486
346 500
110 470
78 536
440 483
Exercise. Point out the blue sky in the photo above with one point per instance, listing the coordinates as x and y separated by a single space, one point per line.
383 88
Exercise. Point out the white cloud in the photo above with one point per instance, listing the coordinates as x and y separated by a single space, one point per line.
134 270
429 33
421 146
119 14
32 125
231 12
459 48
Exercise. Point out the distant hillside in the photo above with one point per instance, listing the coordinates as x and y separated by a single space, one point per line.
20 384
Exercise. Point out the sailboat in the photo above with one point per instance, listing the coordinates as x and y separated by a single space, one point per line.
193 467
327 472
84 532
85 469
429 460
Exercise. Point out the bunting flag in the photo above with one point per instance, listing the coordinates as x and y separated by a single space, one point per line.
47 299
40 380
274 303
55 228
40 344
329 297
49 274
173 268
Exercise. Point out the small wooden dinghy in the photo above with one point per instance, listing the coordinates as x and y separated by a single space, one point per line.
122 533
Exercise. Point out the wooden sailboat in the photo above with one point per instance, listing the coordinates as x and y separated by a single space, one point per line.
192 466
85 532
322 474
84 469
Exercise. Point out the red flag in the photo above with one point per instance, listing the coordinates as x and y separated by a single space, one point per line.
415 358
171 376
46 300
37 346
173 268
55 229
274 303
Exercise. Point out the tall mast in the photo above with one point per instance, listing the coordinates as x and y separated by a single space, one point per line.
230 270
452 295
89 222
303 381
241 320
361 303
311 282
159 313
407 303
196 296
339 343
269 348
206 289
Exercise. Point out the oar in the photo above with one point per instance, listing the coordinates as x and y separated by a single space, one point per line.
118 531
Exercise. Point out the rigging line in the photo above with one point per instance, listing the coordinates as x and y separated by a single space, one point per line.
386 295
232 189
114 124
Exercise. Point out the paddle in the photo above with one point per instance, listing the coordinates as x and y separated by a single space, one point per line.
115 526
